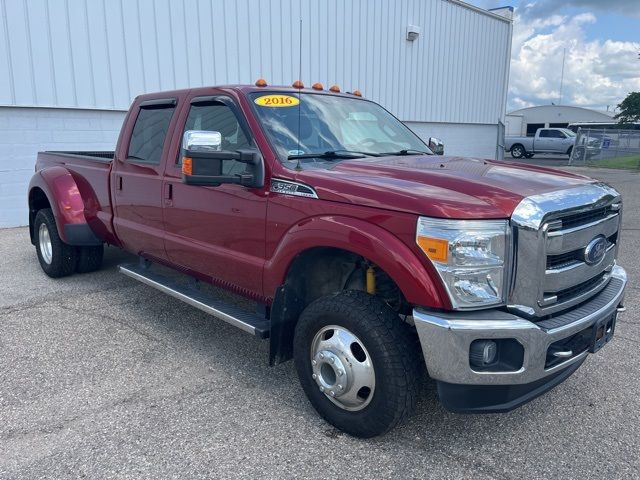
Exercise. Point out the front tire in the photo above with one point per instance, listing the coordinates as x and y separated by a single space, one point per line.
358 363
56 258
518 151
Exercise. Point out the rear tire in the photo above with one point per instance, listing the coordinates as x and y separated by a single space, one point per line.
518 151
380 346
89 259
56 258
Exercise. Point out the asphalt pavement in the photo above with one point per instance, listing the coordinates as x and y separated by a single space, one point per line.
102 377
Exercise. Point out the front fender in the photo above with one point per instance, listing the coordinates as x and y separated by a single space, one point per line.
415 279
67 205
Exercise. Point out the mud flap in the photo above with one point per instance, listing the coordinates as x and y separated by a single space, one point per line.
285 311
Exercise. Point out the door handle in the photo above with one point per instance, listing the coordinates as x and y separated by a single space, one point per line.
168 194
119 182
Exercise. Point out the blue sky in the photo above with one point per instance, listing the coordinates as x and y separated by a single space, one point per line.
602 41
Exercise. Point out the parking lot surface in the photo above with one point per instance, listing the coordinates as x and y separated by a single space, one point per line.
101 377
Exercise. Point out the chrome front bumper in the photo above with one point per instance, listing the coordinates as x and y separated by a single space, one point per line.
446 337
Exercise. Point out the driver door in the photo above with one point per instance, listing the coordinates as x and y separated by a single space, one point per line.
544 143
218 231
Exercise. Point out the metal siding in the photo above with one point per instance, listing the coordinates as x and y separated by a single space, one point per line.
101 53
25 131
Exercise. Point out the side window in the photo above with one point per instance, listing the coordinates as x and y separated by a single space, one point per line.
557 134
149 133
544 134
218 117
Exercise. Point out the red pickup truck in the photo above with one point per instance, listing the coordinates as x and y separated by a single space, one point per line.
367 257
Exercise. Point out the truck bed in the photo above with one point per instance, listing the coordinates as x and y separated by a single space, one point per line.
92 155
91 171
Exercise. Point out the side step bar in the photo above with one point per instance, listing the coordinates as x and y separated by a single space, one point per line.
249 322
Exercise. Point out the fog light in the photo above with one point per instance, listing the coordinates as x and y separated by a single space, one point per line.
483 353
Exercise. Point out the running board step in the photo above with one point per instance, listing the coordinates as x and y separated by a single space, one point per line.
249 322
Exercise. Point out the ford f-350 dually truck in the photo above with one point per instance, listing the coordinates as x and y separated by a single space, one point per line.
366 256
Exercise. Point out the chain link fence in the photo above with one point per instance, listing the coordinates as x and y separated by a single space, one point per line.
606 148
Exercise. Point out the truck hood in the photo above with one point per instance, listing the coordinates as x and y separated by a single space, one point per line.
452 187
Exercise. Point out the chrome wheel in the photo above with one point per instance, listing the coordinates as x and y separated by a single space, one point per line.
517 152
46 250
342 368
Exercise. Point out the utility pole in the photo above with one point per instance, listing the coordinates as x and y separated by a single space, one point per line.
564 51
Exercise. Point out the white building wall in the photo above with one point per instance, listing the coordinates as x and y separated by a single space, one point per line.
546 114
514 125
461 139
97 55
102 53
25 131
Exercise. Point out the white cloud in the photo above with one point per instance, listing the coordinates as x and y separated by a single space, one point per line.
596 74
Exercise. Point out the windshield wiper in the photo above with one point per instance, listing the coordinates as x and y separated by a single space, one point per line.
334 154
408 151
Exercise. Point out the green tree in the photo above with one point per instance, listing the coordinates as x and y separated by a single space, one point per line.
629 109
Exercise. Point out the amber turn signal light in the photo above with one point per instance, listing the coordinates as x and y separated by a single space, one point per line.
435 248
261 82
187 166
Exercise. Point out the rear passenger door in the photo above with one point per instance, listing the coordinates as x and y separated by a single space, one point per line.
137 178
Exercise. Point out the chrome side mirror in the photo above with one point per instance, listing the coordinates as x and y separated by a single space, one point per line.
203 158
201 141
436 145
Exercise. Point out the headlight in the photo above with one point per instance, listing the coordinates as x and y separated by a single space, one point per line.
470 256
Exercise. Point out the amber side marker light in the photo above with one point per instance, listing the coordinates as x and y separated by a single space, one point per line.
187 166
261 82
335 89
317 86
435 248
298 84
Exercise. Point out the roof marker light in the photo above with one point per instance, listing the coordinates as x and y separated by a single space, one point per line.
335 89
298 84
317 86
261 82
357 93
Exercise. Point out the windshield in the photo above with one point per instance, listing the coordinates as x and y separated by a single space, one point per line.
341 126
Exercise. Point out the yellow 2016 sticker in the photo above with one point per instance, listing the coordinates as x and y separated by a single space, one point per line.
277 101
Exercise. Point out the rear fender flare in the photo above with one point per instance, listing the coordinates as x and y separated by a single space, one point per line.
414 278
68 205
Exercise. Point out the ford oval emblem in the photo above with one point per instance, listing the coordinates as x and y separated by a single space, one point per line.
594 252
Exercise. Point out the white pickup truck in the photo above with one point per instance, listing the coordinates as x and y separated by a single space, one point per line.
546 140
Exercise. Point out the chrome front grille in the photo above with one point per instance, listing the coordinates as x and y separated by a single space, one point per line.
579 219
566 259
551 232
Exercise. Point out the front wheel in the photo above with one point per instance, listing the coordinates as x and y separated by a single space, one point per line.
358 363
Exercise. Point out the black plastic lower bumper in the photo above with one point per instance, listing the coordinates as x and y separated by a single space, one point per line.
498 398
